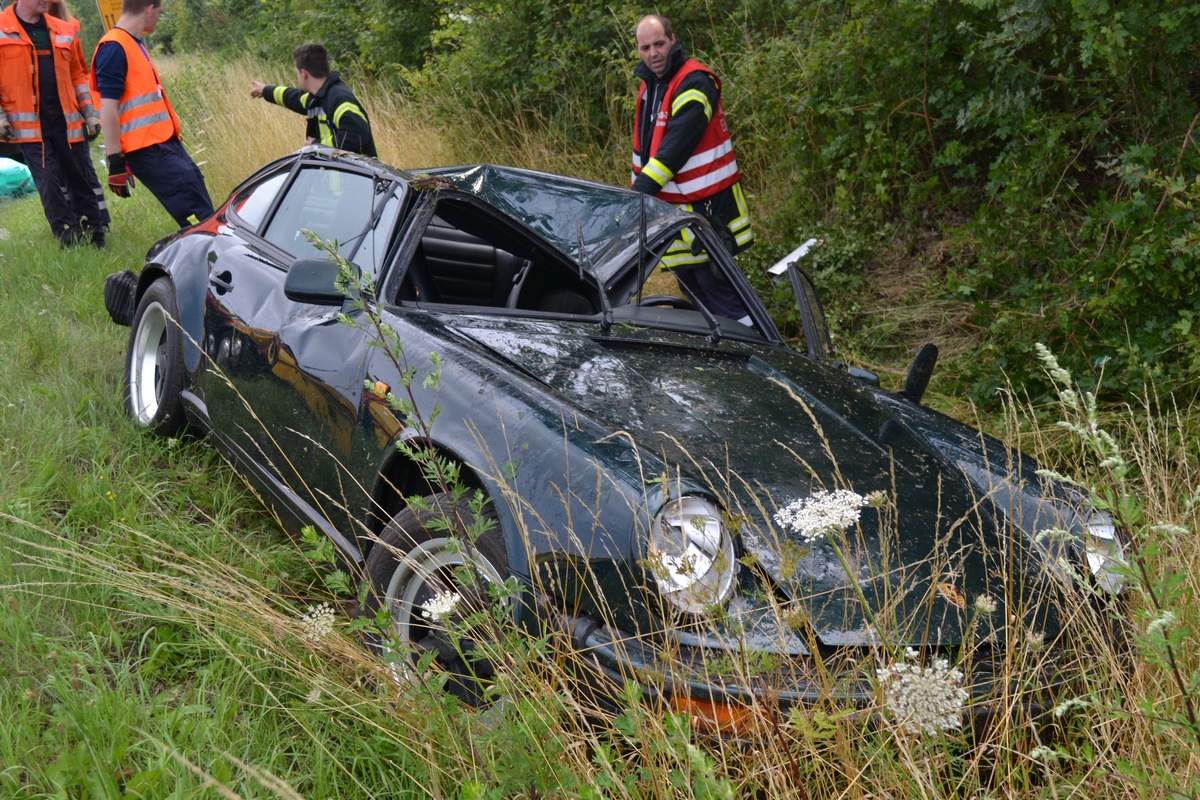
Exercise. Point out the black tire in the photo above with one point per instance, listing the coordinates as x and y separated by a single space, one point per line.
668 300
415 558
154 374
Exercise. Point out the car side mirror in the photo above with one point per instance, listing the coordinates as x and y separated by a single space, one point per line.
314 281
919 373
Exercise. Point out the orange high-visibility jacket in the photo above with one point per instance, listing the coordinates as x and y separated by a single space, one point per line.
19 78
145 113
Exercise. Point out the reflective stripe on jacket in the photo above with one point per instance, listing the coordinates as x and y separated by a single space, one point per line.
711 168
145 113
19 77
333 115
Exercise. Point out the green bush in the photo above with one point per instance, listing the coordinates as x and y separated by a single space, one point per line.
1051 144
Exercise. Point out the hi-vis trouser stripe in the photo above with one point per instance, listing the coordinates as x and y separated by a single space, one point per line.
739 226
679 252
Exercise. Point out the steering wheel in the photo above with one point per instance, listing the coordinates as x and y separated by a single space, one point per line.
669 300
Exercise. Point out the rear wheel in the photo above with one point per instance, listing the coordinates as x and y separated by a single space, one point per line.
424 559
668 300
154 375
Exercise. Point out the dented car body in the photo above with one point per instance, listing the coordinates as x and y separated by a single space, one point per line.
648 466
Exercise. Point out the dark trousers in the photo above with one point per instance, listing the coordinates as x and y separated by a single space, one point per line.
715 293
63 175
174 179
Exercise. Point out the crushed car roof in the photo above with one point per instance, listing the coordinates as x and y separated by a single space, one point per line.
596 225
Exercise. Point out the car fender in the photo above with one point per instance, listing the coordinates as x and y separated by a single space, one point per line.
177 262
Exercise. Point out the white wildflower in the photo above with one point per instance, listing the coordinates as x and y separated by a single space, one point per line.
822 513
877 498
439 607
925 700
4 234
1047 755
1161 623
1069 705
1051 365
985 604
317 622
314 695
1035 641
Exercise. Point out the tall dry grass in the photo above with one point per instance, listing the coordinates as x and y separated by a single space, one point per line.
231 134
140 611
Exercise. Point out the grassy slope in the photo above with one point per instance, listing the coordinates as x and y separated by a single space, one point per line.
150 639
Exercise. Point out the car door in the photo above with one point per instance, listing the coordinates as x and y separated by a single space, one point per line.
287 376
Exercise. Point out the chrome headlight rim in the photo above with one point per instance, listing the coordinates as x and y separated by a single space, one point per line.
692 555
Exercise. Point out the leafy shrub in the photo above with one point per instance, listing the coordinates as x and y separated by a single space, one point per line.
1057 137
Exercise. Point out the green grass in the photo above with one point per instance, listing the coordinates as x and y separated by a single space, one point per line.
152 642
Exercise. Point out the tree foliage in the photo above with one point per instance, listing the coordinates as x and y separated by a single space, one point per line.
1053 142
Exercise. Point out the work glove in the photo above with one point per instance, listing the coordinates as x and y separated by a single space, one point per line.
91 127
6 130
120 179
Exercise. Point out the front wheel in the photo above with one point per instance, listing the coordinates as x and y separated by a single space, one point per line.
154 374
433 583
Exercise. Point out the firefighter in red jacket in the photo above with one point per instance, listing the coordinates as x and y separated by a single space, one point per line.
47 108
683 153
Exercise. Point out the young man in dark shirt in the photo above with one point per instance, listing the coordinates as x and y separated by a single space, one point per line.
335 117
141 130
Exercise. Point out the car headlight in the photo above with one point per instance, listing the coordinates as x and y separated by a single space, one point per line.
691 555
1102 548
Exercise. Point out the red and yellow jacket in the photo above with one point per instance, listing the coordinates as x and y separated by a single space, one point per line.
710 168
19 78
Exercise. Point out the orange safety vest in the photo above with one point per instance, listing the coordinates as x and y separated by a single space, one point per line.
145 113
711 167
19 77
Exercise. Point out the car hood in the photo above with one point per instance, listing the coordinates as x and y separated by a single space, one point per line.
763 427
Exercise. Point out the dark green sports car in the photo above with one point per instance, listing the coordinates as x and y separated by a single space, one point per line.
701 507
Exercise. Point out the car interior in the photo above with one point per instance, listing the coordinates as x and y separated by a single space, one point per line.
467 257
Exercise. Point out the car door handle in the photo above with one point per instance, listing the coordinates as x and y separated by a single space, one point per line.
221 281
